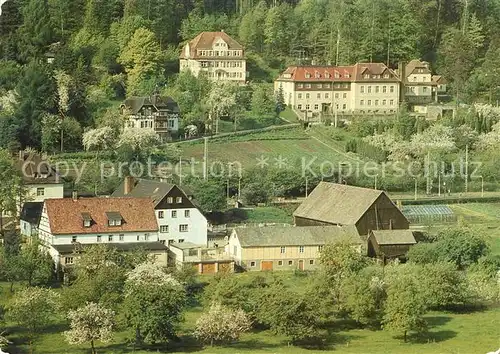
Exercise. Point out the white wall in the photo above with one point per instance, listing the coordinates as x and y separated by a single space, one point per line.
27 229
50 191
234 247
197 226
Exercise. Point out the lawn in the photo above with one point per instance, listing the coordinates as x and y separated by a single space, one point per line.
476 332
269 215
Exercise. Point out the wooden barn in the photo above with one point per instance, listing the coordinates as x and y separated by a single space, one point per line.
339 204
390 244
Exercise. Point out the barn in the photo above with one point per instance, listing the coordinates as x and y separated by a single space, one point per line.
339 204
390 244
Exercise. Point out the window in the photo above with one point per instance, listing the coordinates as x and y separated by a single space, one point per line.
99 238
187 213
316 107
391 88
300 85
308 75
362 102
308 85
386 76
376 102
391 102
337 75
337 95
307 95
301 249
179 200
414 78
320 86
384 102
362 89
299 107
73 239
369 89
86 223
110 238
40 192
384 89
318 95
344 95
311 261
344 106
170 200
183 228
146 237
164 228
181 240
252 264
425 89
327 85
367 76
308 107
174 213
320 248
327 95
121 237
376 89
68 260
299 96
282 250
235 250
290 262
369 102
160 214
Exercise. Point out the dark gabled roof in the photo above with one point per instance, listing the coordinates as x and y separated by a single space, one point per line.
65 215
36 170
394 237
129 246
337 203
113 215
32 211
296 236
146 188
134 103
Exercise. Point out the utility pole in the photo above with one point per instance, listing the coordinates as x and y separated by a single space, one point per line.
239 189
205 159
227 189
466 168
439 183
416 187
428 182
388 41
482 186
307 186
376 181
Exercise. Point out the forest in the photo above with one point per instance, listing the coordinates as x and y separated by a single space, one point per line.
102 51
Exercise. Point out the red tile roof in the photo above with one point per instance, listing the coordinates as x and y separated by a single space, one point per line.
338 73
205 40
65 215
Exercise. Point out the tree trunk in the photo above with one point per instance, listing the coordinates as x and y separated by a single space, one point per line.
92 347
405 337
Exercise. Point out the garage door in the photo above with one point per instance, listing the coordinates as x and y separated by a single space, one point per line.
266 265
208 268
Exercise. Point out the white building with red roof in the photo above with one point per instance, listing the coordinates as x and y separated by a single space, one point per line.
68 223
371 88
216 54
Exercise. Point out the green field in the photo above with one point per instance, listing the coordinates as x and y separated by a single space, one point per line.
294 145
476 332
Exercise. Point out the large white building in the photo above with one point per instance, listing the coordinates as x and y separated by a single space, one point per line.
69 223
216 54
178 218
371 88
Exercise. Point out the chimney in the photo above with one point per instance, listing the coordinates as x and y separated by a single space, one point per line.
128 184
74 195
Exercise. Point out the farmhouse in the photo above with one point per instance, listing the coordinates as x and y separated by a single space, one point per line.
285 248
387 244
205 260
87 221
178 218
339 204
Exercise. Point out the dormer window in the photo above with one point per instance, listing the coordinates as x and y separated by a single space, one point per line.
179 200
327 74
87 220
114 218
317 75
308 75
346 75
337 75
367 76
170 200
386 76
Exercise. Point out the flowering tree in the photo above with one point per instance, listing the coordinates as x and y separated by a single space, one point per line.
90 323
98 139
138 139
490 140
33 308
153 303
221 324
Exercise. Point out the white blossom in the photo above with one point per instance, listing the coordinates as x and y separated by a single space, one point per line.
138 139
64 82
149 274
98 139
90 323
221 324
8 102
490 140
438 138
